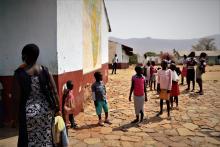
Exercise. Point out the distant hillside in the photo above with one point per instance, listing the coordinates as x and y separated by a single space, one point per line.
142 45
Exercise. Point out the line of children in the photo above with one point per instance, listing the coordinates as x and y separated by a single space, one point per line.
138 86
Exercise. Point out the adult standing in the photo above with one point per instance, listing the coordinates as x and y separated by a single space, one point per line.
191 62
36 100
114 64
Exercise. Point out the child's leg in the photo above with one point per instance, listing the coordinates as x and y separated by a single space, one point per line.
151 84
154 85
142 115
72 121
176 99
171 101
193 82
168 107
161 108
188 83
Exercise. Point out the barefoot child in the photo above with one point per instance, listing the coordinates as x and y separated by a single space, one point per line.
165 81
153 72
69 104
99 98
175 87
139 87
200 69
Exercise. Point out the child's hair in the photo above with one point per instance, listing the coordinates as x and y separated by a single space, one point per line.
172 66
138 69
69 85
184 56
148 63
153 63
158 68
203 55
97 75
192 54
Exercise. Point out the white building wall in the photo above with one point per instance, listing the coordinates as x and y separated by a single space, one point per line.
104 38
69 35
23 22
125 57
119 52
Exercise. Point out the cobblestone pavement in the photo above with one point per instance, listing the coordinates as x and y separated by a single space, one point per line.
196 123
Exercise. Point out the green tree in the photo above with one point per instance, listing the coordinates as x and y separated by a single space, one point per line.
133 59
150 54
205 44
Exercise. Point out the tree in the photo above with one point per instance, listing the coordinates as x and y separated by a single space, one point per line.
205 44
150 54
133 59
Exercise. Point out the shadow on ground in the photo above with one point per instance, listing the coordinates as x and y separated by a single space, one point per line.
8 132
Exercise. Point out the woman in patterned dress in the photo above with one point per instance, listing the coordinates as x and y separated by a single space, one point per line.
32 102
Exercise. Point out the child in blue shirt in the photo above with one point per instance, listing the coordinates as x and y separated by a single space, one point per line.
99 98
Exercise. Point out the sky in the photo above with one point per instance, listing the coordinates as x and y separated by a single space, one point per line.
163 19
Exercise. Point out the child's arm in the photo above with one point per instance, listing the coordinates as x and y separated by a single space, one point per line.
169 82
131 90
145 90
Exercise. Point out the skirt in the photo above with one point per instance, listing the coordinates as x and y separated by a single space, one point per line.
138 104
184 72
164 95
190 74
175 89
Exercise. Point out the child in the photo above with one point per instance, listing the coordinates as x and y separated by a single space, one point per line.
69 104
184 70
153 71
175 87
99 98
139 87
148 73
61 138
200 69
158 85
191 62
165 81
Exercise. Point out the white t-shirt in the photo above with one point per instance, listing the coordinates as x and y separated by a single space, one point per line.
175 77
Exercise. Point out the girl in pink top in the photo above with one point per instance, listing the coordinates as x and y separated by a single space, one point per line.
165 84
139 87
69 105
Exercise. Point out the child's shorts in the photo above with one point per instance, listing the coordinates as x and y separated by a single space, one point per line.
101 104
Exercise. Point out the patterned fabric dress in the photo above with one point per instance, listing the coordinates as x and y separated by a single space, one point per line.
39 117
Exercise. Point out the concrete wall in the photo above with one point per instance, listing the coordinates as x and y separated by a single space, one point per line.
69 35
23 22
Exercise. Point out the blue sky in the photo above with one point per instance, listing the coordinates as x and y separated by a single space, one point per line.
165 19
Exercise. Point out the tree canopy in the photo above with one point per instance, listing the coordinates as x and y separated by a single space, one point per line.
205 44
150 54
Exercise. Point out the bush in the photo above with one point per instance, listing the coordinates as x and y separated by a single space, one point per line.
211 64
133 59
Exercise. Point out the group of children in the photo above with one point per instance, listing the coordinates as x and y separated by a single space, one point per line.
167 78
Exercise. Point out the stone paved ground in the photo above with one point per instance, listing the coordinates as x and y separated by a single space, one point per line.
196 123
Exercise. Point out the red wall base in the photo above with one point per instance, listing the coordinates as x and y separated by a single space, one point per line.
81 90
120 66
